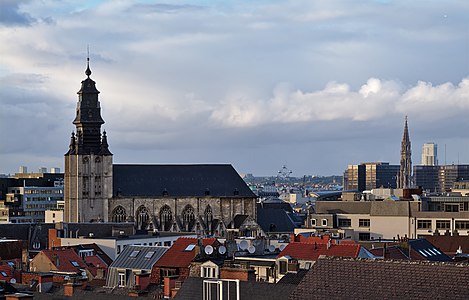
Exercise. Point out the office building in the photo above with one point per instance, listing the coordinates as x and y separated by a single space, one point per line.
429 154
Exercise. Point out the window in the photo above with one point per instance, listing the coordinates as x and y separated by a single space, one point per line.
363 222
134 253
424 224
324 222
313 222
440 224
451 207
149 254
74 263
190 247
462 224
209 272
345 223
308 266
121 279
282 267
364 236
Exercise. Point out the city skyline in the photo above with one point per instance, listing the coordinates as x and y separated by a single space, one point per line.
312 85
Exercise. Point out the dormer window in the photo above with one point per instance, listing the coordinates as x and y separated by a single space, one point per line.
324 222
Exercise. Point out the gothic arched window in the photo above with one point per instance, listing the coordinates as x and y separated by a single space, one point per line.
166 218
188 218
142 217
208 218
119 215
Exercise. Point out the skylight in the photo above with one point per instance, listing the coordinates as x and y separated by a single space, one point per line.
75 264
149 254
4 274
421 252
134 253
190 247
11 263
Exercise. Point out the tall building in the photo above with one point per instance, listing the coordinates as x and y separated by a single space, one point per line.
88 162
405 171
439 178
429 154
370 175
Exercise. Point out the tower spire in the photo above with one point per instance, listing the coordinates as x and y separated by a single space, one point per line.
88 71
405 172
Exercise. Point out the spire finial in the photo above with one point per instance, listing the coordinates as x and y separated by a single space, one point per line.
88 71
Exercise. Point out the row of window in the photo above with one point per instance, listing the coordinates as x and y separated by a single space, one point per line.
58 198
442 224
165 243
52 191
348 223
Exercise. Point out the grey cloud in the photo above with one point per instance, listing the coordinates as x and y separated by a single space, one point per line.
11 15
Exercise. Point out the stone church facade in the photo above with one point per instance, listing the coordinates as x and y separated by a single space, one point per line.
203 198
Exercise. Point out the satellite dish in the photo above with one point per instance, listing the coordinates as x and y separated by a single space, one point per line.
243 245
271 248
13 280
67 278
208 250
83 273
222 250
251 249
282 247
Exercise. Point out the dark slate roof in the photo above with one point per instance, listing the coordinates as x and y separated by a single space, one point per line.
293 278
340 278
279 218
140 262
179 180
192 290
428 251
272 202
31 232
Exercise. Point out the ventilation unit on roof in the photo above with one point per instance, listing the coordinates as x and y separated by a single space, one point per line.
222 250
208 250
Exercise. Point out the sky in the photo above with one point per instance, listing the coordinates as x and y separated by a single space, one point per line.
313 85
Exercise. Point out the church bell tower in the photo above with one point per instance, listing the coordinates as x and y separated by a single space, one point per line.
88 162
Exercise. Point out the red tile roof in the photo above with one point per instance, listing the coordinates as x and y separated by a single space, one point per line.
392 252
345 278
65 257
178 257
94 263
6 273
311 251
320 240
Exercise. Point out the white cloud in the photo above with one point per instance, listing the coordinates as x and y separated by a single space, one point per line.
188 76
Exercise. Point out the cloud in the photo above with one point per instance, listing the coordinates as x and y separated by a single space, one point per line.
375 99
11 14
242 82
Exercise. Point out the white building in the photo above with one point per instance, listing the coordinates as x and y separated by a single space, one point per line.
429 154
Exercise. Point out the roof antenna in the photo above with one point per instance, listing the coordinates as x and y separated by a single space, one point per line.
88 71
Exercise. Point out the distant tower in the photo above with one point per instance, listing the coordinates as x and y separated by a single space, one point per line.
405 172
429 154
88 162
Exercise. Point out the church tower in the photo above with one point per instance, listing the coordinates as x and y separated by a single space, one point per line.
88 162
405 172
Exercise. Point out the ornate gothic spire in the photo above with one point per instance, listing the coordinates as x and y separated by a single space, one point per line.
104 145
405 172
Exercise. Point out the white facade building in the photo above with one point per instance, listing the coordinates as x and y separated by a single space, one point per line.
429 154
